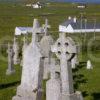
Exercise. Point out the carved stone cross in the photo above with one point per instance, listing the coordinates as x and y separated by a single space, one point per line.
46 26
36 29
65 50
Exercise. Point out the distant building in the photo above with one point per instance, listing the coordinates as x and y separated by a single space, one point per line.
81 6
23 30
37 5
73 25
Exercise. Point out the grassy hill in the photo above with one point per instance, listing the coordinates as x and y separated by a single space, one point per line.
12 15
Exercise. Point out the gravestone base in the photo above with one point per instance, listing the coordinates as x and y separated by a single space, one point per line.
23 94
75 96
9 72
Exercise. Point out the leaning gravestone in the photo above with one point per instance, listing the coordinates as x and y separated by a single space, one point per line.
45 44
10 52
16 51
53 86
28 90
65 50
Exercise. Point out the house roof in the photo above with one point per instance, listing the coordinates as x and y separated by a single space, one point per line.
77 24
23 30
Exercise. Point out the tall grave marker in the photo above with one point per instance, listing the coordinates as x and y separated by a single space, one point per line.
65 50
30 81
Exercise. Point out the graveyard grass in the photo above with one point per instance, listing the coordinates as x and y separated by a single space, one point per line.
12 15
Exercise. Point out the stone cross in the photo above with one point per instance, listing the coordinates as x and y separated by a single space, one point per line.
16 51
10 52
36 29
46 26
65 50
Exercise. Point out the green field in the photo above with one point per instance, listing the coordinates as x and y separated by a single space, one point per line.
12 15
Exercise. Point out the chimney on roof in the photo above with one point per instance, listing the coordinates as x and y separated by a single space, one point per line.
74 19
69 18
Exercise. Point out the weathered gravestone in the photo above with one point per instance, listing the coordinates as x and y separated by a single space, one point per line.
10 52
30 82
45 44
65 50
16 51
53 86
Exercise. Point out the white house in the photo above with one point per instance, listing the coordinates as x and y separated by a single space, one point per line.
23 30
81 6
74 25
37 5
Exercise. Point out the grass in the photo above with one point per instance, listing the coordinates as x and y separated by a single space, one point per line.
89 81
12 15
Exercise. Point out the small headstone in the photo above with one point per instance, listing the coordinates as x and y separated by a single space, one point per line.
53 86
16 51
89 65
10 52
